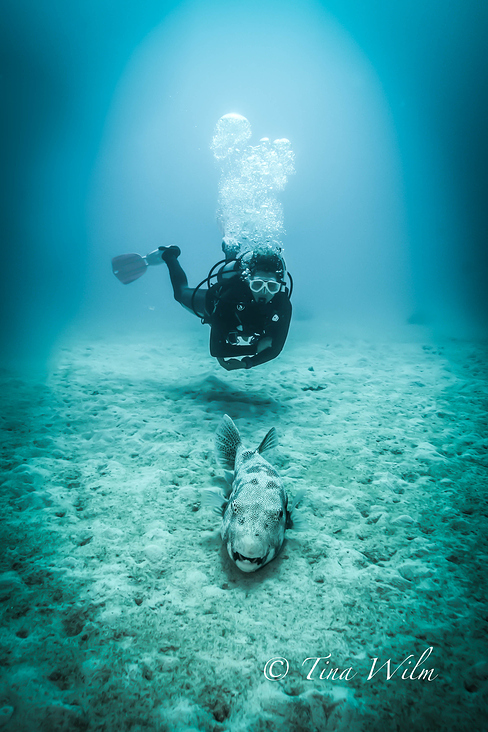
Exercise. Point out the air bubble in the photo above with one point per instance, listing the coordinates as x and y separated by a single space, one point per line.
249 214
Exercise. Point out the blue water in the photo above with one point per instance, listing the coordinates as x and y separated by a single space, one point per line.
110 117
380 394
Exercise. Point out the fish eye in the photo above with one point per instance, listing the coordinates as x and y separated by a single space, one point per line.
276 515
235 507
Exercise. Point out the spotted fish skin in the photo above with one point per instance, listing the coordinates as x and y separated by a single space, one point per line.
255 515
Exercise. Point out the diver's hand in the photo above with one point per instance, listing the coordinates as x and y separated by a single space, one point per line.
232 363
263 344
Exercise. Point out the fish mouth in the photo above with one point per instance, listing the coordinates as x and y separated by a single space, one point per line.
254 560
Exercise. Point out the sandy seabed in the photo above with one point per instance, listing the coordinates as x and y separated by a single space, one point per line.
120 608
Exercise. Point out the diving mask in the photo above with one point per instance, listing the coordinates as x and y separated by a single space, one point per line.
256 285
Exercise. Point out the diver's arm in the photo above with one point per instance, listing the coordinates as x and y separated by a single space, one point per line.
267 355
277 341
232 363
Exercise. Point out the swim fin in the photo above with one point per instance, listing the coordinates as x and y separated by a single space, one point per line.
129 267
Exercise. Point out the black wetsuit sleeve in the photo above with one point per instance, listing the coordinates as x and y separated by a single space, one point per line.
278 338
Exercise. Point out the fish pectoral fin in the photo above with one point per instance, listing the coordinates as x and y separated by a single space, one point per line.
214 499
229 476
270 441
294 519
296 522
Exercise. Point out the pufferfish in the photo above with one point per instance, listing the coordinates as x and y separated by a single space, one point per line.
255 513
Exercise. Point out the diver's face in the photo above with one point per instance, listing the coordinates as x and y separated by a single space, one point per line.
264 286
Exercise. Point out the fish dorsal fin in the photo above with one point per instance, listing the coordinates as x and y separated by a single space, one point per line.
270 441
227 440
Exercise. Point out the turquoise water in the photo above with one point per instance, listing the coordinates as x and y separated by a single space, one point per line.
120 608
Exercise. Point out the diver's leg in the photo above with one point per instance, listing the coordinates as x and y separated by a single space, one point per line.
198 301
182 293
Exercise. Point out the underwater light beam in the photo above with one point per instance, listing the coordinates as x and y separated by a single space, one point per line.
294 73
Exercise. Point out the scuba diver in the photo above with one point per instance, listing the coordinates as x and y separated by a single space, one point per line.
246 301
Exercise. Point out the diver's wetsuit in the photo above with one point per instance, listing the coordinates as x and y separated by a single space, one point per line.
240 326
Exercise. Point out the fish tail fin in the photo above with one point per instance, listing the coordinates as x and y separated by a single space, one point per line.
227 440
270 441
294 519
